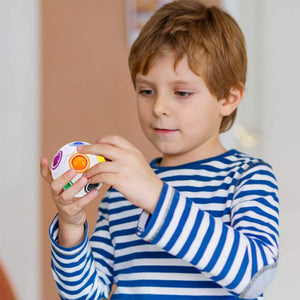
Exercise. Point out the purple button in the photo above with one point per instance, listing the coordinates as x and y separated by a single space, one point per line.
56 160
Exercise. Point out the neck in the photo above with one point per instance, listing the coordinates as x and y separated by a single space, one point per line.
204 151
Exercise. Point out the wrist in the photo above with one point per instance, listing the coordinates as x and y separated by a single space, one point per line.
154 196
70 235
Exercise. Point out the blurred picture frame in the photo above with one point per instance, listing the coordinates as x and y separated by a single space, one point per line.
138 12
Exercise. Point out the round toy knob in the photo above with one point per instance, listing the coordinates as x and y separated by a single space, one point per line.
79 162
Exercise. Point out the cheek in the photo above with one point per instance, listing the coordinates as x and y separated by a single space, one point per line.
143 113
202 118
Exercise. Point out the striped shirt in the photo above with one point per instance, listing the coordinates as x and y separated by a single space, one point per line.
213 235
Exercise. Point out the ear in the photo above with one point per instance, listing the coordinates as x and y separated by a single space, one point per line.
232 102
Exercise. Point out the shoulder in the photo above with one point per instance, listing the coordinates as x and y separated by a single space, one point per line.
254 179
246 164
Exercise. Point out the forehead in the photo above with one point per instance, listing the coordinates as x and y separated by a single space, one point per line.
166 66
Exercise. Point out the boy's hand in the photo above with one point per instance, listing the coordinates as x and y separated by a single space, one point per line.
71 212
126 170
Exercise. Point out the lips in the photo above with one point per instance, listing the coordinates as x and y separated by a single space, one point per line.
164 131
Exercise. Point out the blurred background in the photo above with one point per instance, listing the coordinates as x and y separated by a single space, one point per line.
64 77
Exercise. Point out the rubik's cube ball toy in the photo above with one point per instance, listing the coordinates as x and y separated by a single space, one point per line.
68 158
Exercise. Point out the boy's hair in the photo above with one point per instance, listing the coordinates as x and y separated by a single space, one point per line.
210 38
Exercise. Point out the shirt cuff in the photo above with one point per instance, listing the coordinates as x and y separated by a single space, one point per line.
63 251
149 225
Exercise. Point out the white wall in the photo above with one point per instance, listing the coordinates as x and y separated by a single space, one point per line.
281 107
19 130
272 105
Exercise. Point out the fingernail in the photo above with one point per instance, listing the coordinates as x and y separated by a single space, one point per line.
73 172
95 191
83 180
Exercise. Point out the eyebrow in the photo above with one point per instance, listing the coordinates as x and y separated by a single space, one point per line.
141 80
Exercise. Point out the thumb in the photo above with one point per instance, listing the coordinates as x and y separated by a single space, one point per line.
45 171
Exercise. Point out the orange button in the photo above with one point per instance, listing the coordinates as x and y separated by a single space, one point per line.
79 162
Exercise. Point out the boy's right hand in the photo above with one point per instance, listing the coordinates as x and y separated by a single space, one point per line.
71 210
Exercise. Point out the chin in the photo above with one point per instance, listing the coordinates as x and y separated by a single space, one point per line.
167 150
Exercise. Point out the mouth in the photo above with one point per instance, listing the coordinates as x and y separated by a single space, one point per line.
164 131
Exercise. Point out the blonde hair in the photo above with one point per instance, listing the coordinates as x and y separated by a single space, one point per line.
210 38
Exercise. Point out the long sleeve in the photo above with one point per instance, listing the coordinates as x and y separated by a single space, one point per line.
213 235
83 272
241 254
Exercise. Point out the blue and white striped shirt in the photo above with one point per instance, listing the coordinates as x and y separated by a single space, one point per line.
213 235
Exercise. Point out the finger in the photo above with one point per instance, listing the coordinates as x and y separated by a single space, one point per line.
69 194
115 140
84 201
45 171
103 167
109 179
108 151
58 184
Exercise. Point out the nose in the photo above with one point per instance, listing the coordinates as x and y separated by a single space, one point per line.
162 105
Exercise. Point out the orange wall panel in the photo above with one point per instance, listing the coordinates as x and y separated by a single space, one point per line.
86 90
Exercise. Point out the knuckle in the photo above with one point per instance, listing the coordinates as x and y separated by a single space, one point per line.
53 186
43 173
66 211
115 138
64 199
79 205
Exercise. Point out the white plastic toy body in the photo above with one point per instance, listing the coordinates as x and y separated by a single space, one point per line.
68 158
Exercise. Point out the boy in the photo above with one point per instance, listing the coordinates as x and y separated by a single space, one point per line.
200 222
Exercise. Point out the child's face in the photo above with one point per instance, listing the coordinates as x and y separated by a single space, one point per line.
178 113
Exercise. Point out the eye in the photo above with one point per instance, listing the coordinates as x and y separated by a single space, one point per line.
146 92
183 94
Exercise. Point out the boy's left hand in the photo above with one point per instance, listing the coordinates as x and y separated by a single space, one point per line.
126 170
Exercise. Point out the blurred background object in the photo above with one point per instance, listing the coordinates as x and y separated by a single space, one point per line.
6 289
